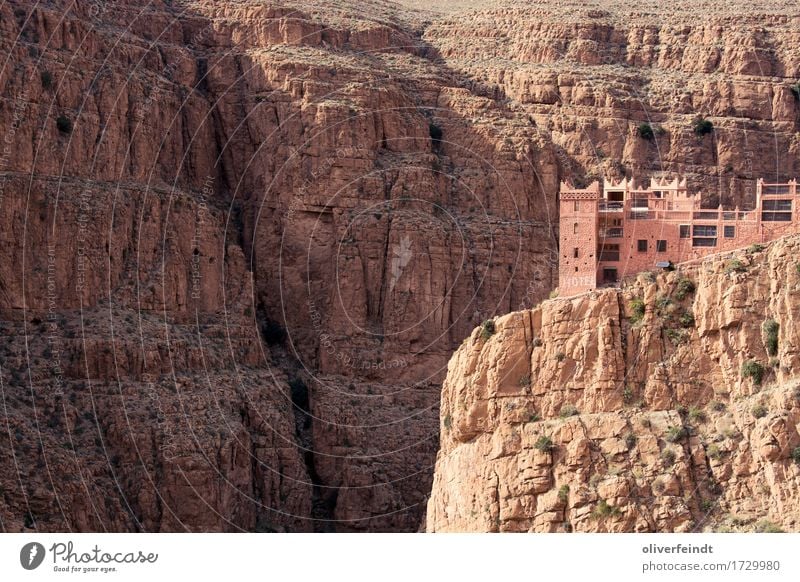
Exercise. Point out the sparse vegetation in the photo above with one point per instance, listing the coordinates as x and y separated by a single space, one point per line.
630 440
448 422
735 266
754 248
676 336
684 288
563 493
560 356
766 526
537 342
795 89
713 452
553 293
524 380
717 406
759 411
676 433
487 329
754 370
603 509
627 394
645 131
636 307
534 417
697 414
543 443
796 455
687 319
707 505
568 410
668 457
770 329
702 126
64 124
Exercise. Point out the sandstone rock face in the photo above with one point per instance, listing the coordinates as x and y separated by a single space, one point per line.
669 405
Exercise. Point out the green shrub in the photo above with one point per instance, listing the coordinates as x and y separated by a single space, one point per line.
553 293
636 307
796 90
537 342
645 131
676 336
717 406
676 433
759 411
754 370
568 410
47 79
668 457
487 329
702 126
770 328
630 440
524 380
662 303
448 421
563 493
697 414
687 319
543 443
684 288
603 509
534 417
64 124
707 505
560 356
627 394
796 455
755 248
735 266
713 452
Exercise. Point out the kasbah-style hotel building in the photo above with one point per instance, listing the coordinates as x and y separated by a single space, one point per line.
609 234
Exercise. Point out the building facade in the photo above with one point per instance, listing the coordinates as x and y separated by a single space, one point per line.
610 233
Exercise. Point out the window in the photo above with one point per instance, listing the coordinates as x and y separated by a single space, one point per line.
661 246
730 231
684 231
641 246
704 230
575 253
640 203
575 228
576 206
779 205
704 242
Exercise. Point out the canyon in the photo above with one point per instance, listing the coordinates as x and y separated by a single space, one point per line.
241 241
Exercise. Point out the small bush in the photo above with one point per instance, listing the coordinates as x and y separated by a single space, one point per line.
537 342
524 380
676 336
487 329
568 410
64 124
543 443
636 307
534 417
603 509
702 126
630 440
627 395
563 493
684 288
560 356
448 422
645 131
713 452
796 455
707 505
687 319
676 433
717 406
553 293
47 79
770 329
754 248
754 370
697 414
795 90
759 411
735 266
668 457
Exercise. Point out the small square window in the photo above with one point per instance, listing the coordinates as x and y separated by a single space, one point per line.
684 231
730 232
576 206
661 246
641 246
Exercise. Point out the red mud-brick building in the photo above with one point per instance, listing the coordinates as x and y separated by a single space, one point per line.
608 234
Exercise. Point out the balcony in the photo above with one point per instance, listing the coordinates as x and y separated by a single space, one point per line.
611 206
609 256
610 233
